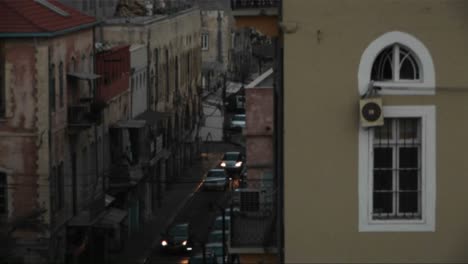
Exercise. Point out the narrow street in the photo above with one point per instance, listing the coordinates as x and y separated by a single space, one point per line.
200 211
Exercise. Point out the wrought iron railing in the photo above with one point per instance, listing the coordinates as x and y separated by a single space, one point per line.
237 4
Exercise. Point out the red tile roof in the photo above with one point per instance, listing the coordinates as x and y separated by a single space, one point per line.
29 16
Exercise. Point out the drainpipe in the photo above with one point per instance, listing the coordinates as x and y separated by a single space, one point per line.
279 144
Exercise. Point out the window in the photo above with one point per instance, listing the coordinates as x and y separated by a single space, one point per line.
60 186
3 194
85 5
396 182
399 64
61 84
167 75
156 73
397 171
204 41
2 82
176 77
52 87
396 63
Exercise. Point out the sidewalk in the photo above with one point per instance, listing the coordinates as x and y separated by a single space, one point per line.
139 246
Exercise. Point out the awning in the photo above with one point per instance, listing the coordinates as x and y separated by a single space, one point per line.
112 217
129 124
84 75
152 117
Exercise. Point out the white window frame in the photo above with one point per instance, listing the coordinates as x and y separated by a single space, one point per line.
205 41
424 86
427 114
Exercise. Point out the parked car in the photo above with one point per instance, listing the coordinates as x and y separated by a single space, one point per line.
217 248
235 103
237 122
232 161
177 239
229 211
217 236
218 223
216 179
210 258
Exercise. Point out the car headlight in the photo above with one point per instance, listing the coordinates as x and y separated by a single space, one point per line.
184 243
223 164
238 164
189 249
164 243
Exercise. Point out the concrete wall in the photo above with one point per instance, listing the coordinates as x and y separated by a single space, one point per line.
25 130
178 36
321 60
210 26
139 83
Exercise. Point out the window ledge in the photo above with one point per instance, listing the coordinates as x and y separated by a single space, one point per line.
394 226
405 88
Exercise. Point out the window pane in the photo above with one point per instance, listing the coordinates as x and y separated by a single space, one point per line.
383 180
385 131
382 69
409 202
383 202
408 157
408 66
408 180
408 128
383 158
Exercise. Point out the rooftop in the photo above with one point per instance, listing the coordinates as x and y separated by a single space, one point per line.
27 18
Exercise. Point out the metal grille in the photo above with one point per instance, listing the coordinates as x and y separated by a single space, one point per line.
250 201
396 182
254 3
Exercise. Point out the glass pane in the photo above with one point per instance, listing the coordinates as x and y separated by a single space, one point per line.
408 66
383 202
385 131
408 202
408 128
382 69
408 180
383 180
408 157
383 158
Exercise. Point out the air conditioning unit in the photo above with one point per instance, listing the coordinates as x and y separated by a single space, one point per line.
371 112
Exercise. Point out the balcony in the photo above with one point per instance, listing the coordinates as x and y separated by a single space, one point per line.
79 117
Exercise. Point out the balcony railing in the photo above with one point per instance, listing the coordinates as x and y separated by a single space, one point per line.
238 4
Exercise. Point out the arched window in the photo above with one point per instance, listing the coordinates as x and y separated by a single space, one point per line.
399 64
396 63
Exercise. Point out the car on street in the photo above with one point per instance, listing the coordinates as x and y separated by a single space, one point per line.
176 239
216 179
217 248
217 236
218 223
210 258
237 122
229 211
232 161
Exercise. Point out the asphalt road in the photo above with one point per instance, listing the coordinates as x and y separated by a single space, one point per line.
200 212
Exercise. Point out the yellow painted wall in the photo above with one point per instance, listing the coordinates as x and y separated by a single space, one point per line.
321 129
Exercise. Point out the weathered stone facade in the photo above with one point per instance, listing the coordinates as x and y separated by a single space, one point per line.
174 66
34 136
